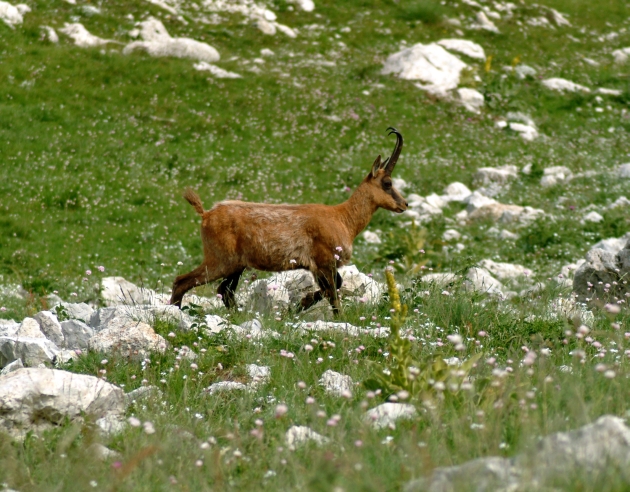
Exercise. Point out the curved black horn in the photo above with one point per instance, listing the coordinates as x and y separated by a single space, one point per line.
391 161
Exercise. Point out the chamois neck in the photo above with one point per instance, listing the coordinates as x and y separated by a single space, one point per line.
356 212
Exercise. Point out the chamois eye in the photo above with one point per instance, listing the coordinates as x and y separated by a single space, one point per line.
387 185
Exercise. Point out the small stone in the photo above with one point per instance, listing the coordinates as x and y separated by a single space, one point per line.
624 171
50 327
593 217
371 237
387 414
299 435
335 383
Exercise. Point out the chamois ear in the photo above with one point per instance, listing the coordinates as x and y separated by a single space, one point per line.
376 166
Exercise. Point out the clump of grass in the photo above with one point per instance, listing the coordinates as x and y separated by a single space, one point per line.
425 11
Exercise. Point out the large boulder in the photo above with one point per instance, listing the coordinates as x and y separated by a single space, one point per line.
431 64
118 291
588 453
38 399
129 339
32 351
158 42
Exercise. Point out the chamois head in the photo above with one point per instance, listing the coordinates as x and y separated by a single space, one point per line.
380 179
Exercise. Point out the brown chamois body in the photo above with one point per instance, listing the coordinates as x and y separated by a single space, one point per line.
238 235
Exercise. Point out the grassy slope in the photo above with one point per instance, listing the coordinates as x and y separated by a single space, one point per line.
84 183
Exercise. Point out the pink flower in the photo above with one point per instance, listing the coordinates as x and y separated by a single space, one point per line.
281 410
88 272
100 268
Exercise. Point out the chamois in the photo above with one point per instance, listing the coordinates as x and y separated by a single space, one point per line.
237 235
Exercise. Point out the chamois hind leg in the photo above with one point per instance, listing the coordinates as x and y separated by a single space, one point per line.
228 287
314 297
199 276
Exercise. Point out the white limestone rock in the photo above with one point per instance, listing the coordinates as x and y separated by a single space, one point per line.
612 245
555 175
32 351
623 171
456 192
81 311
621 55
527 132
484 23
501 175
587 453
13 366
225 386
523 71
12 15
339 327
299 435
82 37
76 334
464 46
451 235
593 217
215 324
505 271
258 374
102 453
471 99
436 68
559 18
387 414
117 291
157 42
561 85
142 393
371 237
129 339
51 34
476 201
480 280
8 327
29 328
50 327
336 384
359 287
215 71
38 399
440 280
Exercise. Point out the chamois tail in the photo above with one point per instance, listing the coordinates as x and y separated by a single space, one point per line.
192 198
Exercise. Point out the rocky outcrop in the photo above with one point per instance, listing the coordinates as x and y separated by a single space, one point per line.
557 459
38 399
603 276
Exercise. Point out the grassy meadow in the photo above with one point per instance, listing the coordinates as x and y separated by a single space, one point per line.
96 148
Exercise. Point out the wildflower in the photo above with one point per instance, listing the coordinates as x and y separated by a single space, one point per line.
310 400
339 248
482 333
134 422
171 335
346 394
301 384
281 410
609 374
148 428
308 348
612 308
358 443
198 463
88 272
336 257
100 268
179 263
3 309
104 361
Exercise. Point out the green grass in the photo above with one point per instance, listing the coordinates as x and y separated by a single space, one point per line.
97 147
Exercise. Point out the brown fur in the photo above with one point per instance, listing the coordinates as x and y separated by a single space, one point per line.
238 235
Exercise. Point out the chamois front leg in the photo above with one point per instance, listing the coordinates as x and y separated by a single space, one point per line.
314 297
329 281
228 287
